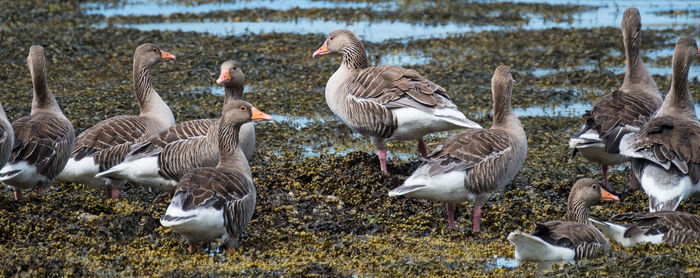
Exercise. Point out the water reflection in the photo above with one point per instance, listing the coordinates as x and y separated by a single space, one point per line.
606 14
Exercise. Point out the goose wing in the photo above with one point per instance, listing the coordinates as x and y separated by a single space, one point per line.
44 141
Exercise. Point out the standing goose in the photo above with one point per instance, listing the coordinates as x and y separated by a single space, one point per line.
105 144
161 161
672 227
42 140
386 102
666 150
217 202
566 240
473 164
615 113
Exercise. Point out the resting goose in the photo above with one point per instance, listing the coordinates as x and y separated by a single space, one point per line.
666 150
105 144
566 240
672 227
386 102
42 140
218 202
161 161
473 164
615 113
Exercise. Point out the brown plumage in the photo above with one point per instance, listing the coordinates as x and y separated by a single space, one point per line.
567 240
671 227
203 192
666 150
473 164
620 112
385 102
107 143
161 161
42 140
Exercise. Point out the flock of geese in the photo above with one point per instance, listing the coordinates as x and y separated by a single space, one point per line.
204 163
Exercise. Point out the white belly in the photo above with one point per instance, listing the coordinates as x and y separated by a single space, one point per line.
27 178
413 124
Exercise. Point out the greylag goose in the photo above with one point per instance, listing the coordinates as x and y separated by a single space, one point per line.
672 227
7 138
105 144
615 113
42 140
218 202
666 150
566 240
161 161
473 164
386 102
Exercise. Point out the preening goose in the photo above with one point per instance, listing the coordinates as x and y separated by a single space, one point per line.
666 150
42 140
626 108
105 144
218 202
161 161
672 227
473 164
386 102
566 240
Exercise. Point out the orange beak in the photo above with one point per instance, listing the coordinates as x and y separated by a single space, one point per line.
607 196
259 115
223 77
323 50
166 56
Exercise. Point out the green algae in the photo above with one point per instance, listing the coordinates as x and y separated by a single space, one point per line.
324 215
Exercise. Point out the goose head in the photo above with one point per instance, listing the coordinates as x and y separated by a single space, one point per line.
231 74
148 55
339 41
239 112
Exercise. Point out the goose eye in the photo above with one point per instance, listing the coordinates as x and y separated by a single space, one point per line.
243 108
155 49
331 38
595 186
235 68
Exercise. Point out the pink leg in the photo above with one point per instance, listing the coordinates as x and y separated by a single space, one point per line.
633 180
191 248
114 193
604 169
382 160
18 194
450 216
422 148
40 190
477 218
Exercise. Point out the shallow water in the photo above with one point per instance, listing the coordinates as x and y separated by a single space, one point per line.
607 13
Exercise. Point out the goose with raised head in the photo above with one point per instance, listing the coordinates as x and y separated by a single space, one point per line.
105 144
666 150
566 240
386 102
43 140
161 161
621 111
671 227
212 203
473 164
